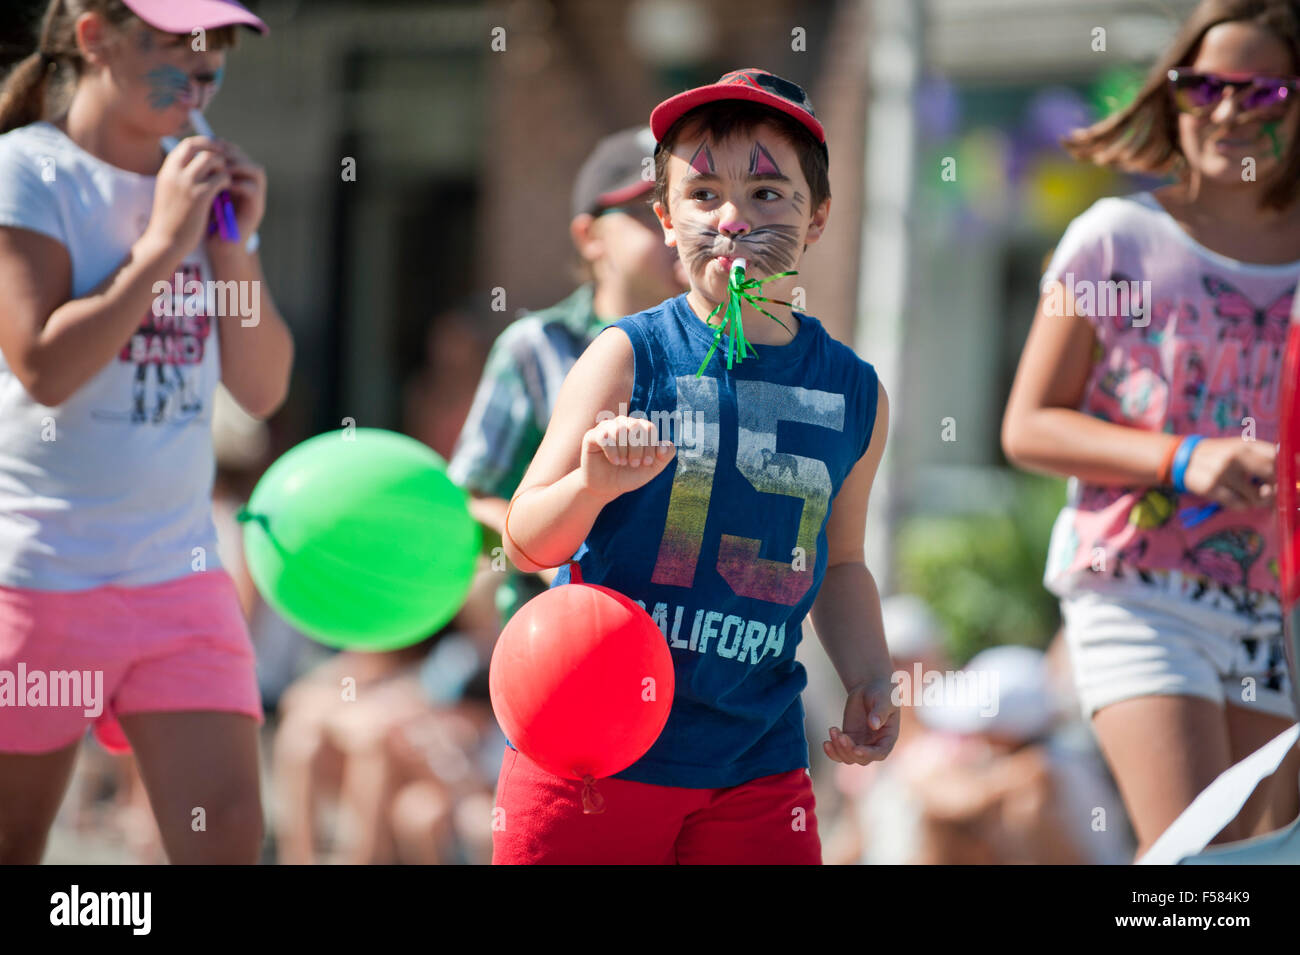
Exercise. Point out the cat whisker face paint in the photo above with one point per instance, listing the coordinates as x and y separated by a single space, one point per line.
767 249
742 197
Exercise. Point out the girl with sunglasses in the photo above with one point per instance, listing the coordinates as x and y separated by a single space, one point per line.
1151 378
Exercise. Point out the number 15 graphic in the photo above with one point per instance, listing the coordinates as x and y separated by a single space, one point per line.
760 406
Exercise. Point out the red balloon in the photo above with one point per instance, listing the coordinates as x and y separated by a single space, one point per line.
581 681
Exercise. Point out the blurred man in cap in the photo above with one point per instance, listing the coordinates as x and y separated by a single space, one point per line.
628 269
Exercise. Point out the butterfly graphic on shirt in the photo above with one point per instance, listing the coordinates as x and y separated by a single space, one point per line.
1253 329
1226 555
1229 402
1243 320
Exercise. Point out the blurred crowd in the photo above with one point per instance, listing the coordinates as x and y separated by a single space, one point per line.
994 764
393 758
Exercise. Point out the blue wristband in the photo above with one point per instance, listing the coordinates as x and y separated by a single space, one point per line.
1181 457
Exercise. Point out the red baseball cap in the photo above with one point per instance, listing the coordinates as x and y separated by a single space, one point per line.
182 16
754 85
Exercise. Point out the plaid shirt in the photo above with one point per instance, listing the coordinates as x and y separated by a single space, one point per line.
512 406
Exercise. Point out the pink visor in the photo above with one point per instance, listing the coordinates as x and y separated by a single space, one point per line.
184 16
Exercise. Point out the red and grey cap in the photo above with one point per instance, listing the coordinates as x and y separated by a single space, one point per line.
754 85
182 16
615 172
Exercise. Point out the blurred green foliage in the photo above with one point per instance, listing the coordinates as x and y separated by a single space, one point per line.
982 572
1115 89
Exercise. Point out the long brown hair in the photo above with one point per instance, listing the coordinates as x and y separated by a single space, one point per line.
1143 137
25 93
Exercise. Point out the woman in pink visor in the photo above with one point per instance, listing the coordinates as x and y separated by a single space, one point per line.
114 610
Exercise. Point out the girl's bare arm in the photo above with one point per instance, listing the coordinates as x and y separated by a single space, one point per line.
1042 429
53 345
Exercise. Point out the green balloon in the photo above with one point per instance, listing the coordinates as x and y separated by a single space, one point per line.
361 540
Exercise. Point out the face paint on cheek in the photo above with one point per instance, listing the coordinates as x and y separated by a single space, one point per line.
696 240
1270 129
168 87
769 249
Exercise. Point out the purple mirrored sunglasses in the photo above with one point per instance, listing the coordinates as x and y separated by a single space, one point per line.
1199 93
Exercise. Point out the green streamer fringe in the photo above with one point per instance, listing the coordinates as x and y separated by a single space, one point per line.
738 288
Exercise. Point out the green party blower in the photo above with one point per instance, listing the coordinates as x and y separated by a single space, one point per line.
739 287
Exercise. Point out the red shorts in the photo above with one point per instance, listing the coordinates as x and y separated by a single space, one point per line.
538 819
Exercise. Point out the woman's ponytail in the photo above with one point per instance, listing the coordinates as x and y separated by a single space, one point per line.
22 98
25 94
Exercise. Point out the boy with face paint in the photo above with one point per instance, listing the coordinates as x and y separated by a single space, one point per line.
727 498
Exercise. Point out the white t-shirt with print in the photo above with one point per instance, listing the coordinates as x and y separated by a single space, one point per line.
114 486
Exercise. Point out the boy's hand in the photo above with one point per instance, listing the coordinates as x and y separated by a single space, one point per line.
870 725
621 454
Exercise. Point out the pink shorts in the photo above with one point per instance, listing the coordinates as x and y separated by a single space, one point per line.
85 657
539 819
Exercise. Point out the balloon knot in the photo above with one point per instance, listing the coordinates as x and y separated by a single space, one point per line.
575 573
592 801
244 515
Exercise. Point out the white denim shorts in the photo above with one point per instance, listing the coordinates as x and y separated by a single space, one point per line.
1165 633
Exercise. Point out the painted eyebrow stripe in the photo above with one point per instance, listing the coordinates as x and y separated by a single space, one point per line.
702 160
761 162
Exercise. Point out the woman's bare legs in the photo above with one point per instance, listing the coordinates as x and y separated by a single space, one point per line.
1276 801
32 787
1163 751
201 772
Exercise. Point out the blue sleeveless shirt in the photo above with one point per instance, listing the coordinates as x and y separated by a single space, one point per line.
726 547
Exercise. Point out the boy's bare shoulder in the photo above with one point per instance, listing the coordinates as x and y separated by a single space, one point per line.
607 366
613 340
